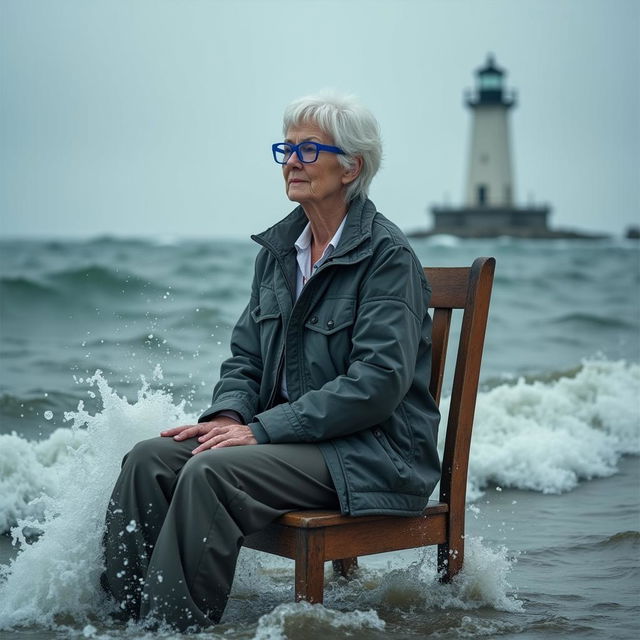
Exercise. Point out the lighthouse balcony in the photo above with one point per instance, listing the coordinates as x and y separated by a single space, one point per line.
491 98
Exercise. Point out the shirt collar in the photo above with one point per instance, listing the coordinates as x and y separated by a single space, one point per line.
303 242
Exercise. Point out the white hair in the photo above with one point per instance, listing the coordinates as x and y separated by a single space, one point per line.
352 127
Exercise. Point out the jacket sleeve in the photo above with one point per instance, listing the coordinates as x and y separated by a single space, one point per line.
387 332
240 375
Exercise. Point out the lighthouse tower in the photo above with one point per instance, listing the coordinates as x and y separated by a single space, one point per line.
490 173
489 203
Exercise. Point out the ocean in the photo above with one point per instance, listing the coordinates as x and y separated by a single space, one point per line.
107 341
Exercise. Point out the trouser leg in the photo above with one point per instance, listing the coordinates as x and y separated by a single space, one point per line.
218 497
136 512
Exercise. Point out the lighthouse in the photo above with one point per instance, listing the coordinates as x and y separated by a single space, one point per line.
489 202
490 172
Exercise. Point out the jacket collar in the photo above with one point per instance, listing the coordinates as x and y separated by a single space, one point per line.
354 243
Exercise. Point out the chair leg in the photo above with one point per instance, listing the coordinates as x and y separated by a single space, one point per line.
450 560
309 571
345 567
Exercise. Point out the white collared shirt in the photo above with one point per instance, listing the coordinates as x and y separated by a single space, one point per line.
303 249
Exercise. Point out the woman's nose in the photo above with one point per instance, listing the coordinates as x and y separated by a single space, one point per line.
293 160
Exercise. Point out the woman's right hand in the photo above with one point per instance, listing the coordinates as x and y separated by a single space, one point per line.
194 430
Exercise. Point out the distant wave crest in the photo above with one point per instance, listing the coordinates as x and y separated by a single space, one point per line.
72 287
593 320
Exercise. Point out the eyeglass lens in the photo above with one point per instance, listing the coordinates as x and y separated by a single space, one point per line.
307 152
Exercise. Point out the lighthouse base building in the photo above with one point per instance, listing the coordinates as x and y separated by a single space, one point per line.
489 222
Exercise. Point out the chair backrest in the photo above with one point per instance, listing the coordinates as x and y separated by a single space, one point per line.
469 289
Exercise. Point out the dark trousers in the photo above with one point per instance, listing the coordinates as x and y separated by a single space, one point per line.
176 522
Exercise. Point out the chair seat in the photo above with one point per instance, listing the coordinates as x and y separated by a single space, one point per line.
314 519
348 536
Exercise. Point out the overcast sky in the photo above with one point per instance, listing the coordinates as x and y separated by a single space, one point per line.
155 117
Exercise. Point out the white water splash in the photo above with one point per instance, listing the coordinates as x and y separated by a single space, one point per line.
410 581
30 473
58 573
407 582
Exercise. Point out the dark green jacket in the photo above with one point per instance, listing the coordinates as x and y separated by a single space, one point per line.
357 351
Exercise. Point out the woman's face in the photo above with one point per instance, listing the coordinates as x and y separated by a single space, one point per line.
321 182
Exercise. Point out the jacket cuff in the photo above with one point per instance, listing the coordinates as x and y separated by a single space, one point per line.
234 415
229 402
281 425
259 433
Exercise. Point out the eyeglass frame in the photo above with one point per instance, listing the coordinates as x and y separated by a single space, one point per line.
295 148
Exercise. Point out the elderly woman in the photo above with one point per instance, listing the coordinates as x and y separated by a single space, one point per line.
322 404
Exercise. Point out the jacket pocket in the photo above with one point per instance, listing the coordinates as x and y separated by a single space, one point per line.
402 467
331 315
267 308
328 329
381 437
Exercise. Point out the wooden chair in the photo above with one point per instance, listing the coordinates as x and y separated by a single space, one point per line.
313 537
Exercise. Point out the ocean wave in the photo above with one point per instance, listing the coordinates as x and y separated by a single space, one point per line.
214 317
547 436
106 280
593 320
307 620
443 240
23 287
143 340
36 403
623 543
544 436
66 290
122 293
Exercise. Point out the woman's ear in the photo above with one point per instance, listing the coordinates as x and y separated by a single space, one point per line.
352 172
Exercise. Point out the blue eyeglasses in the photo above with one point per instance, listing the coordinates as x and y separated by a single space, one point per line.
307 152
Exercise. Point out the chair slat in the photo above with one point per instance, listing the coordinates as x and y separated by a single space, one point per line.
448 286
439 341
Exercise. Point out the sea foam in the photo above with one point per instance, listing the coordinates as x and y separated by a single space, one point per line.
544 436
547 436
30 471
312 621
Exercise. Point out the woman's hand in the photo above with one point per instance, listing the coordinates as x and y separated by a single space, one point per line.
222 431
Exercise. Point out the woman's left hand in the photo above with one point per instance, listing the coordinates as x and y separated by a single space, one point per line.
231 435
